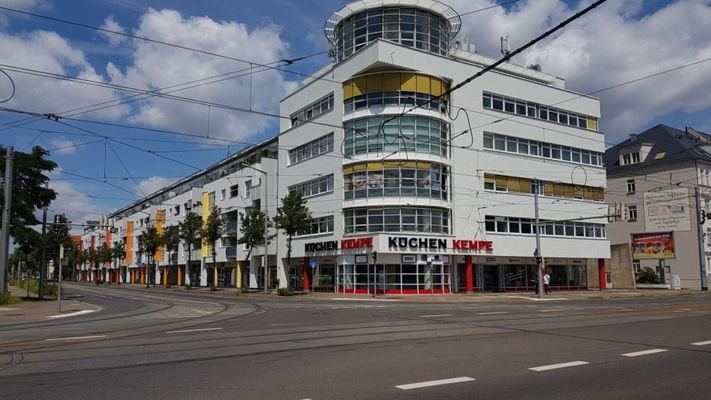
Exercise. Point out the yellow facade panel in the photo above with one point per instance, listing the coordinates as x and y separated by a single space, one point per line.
502 182
359 167
513 185
391 82
409 82
359 86
375 83
347 90
436 87
128 258
423 84
375 166
391 164
592 123
348 169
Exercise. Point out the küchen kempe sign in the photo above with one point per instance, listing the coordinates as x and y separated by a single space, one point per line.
403 243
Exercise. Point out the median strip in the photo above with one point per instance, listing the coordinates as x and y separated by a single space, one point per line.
439 382
559 366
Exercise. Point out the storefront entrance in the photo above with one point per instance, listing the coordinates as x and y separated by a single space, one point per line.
491 278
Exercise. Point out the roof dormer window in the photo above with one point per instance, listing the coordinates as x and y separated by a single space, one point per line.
630 158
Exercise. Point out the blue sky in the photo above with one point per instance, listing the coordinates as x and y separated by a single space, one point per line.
622 41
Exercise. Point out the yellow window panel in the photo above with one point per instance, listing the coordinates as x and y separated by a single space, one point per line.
408 164
391 164
424 165
588 193
348 90
489 178
391 82
660 155
375 166
549 188
598 194
375 83
502 181
359 86
592 123
559 190
359 167
348 169
423 84
436 87
524 185
409 82
514 185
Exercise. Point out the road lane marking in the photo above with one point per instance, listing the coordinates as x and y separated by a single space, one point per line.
549 310
492 313
643 353
8 309
195 330
82 312
559 366
702 343
439 382
435 315
75 338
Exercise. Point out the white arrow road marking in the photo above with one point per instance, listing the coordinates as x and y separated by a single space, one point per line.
643 353
701 343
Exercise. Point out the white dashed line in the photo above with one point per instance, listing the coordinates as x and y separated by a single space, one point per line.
75 338
195 330
435 315
82 312
420 385
492 313
559 366
549 310
643 353
708 342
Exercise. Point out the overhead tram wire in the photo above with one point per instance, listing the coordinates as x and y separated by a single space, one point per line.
488 8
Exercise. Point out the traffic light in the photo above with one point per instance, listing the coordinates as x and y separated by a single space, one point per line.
375 256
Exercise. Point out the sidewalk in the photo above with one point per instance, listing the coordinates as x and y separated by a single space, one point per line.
32 309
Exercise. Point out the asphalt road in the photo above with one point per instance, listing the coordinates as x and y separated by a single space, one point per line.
152 343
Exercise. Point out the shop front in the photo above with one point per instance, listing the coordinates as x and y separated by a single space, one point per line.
387 264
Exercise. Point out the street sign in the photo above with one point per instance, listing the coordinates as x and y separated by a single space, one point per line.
313 262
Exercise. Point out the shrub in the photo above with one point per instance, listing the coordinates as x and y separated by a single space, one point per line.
285 292
647 275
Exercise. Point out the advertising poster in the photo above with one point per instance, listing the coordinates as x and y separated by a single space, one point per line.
652 246
667 210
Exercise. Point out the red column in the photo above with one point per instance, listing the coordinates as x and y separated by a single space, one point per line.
468 274
307 275
602 273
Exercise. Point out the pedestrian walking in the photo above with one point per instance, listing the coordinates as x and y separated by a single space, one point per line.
546 282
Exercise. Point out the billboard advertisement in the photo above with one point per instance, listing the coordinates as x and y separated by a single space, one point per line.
652 246
667 210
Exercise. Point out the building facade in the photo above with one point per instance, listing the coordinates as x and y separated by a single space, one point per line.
659 194
416 188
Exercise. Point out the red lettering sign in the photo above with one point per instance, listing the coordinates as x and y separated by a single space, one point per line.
485 245
360 243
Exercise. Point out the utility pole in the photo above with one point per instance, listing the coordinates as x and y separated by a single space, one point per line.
59 279
539 257
700 237
43 265
5 233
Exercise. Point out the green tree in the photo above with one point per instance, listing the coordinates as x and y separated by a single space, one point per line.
171 240
190 235
57 235
252 230
74 257
293 217
29 191
211 232
149 240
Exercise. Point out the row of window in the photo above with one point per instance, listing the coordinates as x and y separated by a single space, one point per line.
526 226
512 144
311 149
501 183
407 26
400 99
394 82
313 110
314 187
407 133
321 225
430 182
396 219
535 110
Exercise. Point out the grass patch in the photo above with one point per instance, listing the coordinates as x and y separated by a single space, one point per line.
33 284
9 299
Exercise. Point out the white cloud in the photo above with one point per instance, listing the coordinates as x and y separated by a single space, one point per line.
77 206
153 184
63 147
111 25
610 45
156 66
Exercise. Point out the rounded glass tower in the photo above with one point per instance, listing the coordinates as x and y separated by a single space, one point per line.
427 25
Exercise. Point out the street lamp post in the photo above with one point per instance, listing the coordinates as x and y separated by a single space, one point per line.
266 225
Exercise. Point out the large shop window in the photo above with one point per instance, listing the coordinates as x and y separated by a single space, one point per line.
407 133
527 226
407 26
312 149
396 179
314 187
534 110
511 144
396 219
